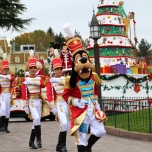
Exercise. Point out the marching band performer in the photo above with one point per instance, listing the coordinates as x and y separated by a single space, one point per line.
57 103
5 93
31 94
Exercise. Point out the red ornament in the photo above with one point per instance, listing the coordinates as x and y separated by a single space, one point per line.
149 102
128 52
150 76
108 29
120 42
105 10
137 88
106 107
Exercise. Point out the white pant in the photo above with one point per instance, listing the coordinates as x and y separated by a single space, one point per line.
35 106
5 100
96 127
62 110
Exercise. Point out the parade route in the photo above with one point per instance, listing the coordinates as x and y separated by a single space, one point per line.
17 140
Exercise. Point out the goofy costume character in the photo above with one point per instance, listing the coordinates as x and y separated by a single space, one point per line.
81 95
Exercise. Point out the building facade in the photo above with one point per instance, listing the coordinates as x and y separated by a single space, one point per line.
17 60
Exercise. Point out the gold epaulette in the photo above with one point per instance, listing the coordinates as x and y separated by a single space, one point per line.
46 81
97 79
67 82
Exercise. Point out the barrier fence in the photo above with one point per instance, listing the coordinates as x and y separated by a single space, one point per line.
132 114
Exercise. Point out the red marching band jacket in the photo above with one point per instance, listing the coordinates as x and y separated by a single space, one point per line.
8 85
55 90
66 60
80 92
26 92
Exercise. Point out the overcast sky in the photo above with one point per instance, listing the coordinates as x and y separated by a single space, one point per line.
54 13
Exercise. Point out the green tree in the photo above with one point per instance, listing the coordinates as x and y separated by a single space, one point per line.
50 31
40 38
144 47
59 38
9 15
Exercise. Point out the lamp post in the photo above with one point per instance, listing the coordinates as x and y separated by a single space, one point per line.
95 35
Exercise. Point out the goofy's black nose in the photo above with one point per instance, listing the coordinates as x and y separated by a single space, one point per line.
83 60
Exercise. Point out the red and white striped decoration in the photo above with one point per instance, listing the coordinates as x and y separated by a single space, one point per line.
100 115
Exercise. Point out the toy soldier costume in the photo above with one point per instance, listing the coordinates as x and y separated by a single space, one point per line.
55 89
31 94
5 94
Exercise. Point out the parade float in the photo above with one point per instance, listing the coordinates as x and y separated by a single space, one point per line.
123 78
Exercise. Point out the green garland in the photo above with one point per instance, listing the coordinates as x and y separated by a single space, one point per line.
126 87
128 77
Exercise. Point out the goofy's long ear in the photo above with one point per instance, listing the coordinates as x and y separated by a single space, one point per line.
73 77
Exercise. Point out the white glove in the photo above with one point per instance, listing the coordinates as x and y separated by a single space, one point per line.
54 80
54 111
97 106
2 76
26 110
27 81
79 103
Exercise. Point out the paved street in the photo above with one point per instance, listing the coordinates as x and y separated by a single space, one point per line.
17 140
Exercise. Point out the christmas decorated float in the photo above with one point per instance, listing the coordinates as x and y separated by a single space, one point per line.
122 76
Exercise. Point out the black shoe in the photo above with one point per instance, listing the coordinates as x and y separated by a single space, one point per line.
32 139
3 129
38 136
63 148
32 145
81 148
63 141
7 131
39 143
58 146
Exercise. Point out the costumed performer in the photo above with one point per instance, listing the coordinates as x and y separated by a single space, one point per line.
55 89
6 81
66 58
33 105
81 95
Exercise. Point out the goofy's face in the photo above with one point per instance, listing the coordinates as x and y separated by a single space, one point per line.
82 64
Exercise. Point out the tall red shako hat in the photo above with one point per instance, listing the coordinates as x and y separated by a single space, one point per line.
32 59
4 62
74 42
57 63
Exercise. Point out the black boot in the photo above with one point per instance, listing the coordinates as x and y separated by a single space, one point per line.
91 141
58 146
6 125
32 139
63 141
3 118
81 148
38 136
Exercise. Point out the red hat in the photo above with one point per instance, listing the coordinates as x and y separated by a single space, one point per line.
4 62
57 63
32 62
74 44
32 59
